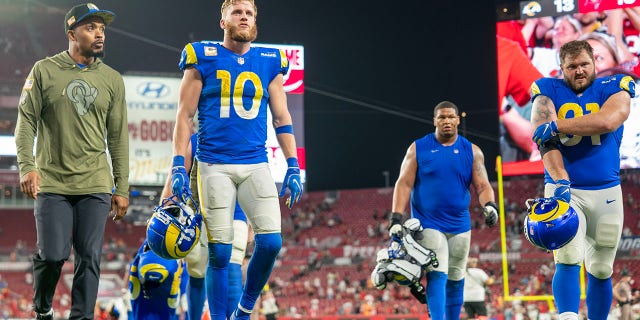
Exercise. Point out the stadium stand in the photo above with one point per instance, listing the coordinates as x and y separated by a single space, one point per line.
330 243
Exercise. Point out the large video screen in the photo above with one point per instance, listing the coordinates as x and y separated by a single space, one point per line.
152 105
528 38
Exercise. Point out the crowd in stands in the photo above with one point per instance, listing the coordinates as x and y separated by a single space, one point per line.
22 43
329 252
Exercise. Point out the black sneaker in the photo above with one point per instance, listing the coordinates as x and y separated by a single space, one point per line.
45 316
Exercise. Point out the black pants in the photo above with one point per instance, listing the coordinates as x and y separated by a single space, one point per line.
63 221
475 309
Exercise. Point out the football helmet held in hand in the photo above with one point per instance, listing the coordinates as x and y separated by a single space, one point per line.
401 271
174 229
405 261
550 223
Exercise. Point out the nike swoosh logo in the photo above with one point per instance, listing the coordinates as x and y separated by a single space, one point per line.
609 201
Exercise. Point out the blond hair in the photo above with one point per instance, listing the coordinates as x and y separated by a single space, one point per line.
228 3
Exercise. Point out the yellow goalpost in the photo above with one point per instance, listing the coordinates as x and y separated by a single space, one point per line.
503 246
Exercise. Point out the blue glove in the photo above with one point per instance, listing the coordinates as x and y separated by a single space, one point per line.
292 182
545 132
179 179
563 190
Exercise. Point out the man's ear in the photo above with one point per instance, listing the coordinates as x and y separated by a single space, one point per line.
71 35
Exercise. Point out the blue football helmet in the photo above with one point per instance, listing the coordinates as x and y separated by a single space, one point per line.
153 271
174 229
550 223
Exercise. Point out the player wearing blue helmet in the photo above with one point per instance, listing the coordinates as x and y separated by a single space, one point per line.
155 285
579 124
197 259
436 174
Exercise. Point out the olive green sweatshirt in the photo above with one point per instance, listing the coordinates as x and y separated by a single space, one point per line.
79 119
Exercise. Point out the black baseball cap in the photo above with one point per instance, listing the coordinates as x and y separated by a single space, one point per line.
83 11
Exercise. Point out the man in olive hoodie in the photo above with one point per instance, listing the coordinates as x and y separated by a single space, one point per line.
74 106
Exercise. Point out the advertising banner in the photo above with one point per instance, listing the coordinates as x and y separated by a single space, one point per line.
152 104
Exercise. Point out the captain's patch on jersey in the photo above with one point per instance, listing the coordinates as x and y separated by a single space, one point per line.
210 51
28 84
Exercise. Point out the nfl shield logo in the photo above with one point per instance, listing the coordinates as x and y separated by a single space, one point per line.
241 61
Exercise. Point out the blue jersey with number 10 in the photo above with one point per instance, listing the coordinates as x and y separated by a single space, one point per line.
593 163
232 110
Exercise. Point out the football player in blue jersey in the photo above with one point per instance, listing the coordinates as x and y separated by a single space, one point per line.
436 174
155 285
231 85
197 259
579 124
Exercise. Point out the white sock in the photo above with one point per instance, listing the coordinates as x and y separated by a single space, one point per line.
568 316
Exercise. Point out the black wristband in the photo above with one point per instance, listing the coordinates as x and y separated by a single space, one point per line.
549 145
491 204
396 218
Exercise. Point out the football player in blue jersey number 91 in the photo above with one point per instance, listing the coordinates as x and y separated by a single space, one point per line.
579 123
231 85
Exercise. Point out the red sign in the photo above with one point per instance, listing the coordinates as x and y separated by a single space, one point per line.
601 5
294 79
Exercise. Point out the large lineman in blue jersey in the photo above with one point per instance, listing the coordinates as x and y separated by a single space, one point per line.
579 124
231 85
435 178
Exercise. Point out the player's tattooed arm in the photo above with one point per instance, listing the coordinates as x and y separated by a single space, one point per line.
543 110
